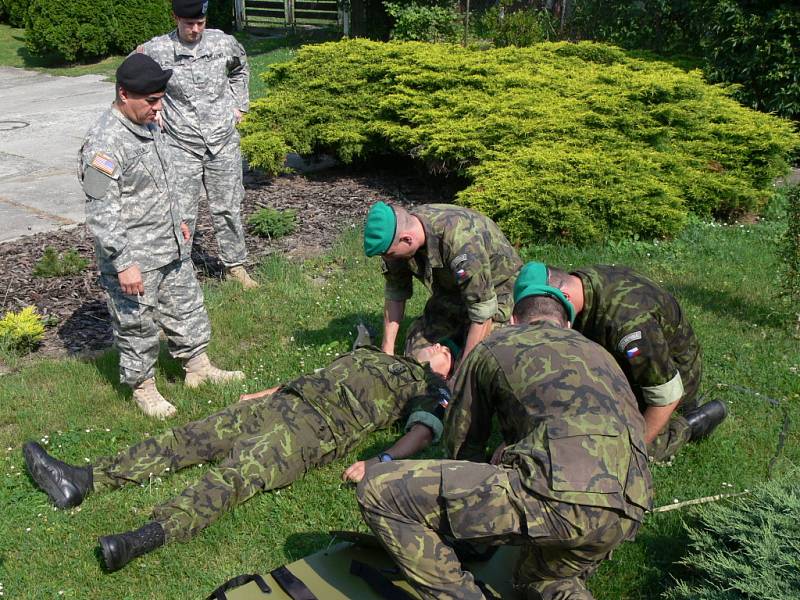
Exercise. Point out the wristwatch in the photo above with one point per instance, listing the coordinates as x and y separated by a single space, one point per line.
385 457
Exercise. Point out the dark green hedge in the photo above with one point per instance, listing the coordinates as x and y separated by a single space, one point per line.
70 30
13 12
560 140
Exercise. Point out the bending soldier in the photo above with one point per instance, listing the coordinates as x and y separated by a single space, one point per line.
572 484
645 330
261 443
461 256
205 99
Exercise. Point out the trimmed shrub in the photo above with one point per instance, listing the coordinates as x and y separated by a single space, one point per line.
746 549
21 331
272 223
13 12
136 21
71 30
573 141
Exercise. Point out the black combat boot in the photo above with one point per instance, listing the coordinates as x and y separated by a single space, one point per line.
66 485
704 419
120 549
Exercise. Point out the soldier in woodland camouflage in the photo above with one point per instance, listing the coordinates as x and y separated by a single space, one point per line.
644 328
265 441
461 256
205 99
571 484
141 239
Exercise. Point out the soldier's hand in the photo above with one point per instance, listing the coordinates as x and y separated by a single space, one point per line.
355 472
130 280
238 114
185 231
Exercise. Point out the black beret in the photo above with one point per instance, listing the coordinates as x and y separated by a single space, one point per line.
190 9
140 74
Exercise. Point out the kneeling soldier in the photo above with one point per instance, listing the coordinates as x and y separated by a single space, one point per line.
571 485
263 442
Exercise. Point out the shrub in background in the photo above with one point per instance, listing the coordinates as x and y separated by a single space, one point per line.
573 141
789 250
21 331
13 12
220 15
272 223
747 549
136 21
524 27
424 23
54 265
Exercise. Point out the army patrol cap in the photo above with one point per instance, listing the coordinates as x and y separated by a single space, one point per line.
532 281
140 74
190 9
380 229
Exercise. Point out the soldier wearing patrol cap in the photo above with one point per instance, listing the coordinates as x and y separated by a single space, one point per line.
570 485
265 441
644 328
141 238
205 99
461 256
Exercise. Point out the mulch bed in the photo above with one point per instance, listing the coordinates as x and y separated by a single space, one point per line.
326 203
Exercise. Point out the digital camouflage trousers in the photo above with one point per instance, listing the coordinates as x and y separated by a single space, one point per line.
414 506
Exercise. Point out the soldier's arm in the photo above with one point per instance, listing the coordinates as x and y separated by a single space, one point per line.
475 334
239 75
415 440
100 172
393 311
468 423
398 287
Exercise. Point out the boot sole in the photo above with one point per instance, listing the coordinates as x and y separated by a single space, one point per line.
43 479
107 553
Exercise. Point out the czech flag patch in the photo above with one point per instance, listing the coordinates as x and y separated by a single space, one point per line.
633 352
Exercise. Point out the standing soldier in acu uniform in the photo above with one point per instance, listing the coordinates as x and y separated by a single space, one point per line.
262 443
570 486
141 239
644 328
205 99
461 256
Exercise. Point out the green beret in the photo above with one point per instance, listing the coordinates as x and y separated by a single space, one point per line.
455 349
532 281
380 229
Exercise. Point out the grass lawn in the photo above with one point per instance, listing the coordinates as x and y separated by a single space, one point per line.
261 51
299 320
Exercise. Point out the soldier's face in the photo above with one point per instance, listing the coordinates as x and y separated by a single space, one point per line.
140 108
437 356
190 30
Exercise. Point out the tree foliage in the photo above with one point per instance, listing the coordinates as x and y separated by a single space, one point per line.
575 141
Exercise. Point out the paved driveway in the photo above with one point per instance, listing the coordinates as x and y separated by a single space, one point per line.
42 122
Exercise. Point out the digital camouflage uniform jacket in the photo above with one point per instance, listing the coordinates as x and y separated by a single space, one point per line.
124 169
643 327
208 82
573 429
467 264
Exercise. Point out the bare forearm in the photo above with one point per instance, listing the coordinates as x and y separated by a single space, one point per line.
656 419
476 333
393 311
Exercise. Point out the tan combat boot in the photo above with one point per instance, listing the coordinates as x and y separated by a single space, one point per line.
151 401
199 370
239 273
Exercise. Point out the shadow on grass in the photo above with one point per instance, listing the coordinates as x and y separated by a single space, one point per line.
728 305
298 545
343 328
266 41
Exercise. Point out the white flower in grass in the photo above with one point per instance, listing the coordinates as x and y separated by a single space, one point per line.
675 501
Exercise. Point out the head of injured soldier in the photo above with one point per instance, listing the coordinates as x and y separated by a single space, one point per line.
439 358
392 232
140 87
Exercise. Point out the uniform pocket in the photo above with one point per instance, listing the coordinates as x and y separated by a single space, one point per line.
477 500
587 457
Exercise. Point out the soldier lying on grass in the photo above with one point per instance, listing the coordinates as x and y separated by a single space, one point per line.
265 441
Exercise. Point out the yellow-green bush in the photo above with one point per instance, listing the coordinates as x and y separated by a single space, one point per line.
580 141
21 331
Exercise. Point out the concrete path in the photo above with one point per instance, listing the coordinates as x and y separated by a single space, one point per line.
43 120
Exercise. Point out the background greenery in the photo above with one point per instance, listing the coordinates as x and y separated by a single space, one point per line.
572 141
719 273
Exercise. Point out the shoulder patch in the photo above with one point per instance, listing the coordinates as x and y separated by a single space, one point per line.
631 337
103 163
458 261
444 397
397 368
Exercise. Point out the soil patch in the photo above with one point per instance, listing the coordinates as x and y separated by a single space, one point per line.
326 203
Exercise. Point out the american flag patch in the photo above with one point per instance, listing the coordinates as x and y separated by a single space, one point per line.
103 163
633 352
